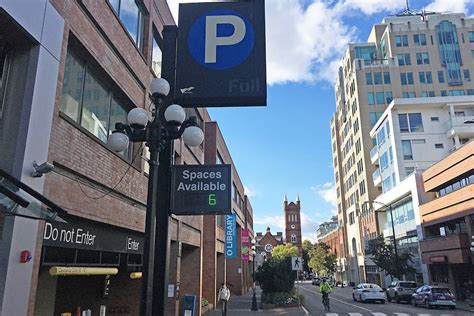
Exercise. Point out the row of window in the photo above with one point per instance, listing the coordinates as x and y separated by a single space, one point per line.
454 186
407 78
379 97
293 218
404 59
401 213
443 93
420 39
376 78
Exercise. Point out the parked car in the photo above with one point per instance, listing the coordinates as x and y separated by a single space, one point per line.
365 292
316 281
430 296
401 291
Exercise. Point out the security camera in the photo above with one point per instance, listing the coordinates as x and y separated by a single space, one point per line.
41 169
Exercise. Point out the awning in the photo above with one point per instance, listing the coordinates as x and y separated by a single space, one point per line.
18 199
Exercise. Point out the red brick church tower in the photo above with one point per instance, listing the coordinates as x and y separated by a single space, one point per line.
293 223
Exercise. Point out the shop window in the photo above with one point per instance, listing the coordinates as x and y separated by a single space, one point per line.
132 17
88 99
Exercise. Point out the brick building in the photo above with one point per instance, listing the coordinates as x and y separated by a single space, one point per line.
78 67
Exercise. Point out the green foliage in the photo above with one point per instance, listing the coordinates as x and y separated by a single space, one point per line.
384 257
204 302
322 260
307 246
276 275
282 298
284 251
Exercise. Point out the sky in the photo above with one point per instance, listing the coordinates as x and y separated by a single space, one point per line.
285 147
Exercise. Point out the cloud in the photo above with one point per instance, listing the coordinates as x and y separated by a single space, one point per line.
327 192
250 193
369 7
308 227
449 5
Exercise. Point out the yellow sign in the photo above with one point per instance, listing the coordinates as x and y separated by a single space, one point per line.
135 275
82 271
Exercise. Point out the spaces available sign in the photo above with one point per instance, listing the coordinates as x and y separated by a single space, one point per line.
230 237
201 189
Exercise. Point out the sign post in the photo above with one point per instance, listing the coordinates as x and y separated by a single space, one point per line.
297 265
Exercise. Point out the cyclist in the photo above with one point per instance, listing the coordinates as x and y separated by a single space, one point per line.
325 289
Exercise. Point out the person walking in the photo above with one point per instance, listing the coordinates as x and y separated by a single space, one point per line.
224 296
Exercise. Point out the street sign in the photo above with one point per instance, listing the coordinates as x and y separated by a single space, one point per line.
221 54
201 189
297 263
230 236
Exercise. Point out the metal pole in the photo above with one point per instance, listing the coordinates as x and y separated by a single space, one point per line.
394 242
163 192
254 297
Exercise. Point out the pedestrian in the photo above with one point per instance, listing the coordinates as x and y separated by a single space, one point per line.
224 296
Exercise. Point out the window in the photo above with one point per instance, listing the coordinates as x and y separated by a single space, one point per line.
380 97
370 98
408 95
87 100
467 75
373 118
441 76
444 93
386 184
470 91
4 69
455 92
293 238
406 78
407 152
383 161
404 59
425 77
377 78
386 77
132 18
368 78
422 58
439 146
471 37
409 171
418 141
401 40
381 136
362 188
411 122
419 39
449 51
427 94
434 119
156 56
388 97
351 218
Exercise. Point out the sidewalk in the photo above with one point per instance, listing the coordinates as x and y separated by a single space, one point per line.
241 305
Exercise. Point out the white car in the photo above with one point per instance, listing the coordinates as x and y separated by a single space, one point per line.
365 292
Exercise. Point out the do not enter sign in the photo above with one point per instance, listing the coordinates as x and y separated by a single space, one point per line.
201 189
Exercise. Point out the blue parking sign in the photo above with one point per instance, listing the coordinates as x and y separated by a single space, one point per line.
221 54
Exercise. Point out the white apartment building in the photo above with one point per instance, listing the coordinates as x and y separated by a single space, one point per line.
408 56
411 136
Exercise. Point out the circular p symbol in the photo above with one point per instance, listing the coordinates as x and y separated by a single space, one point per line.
221 39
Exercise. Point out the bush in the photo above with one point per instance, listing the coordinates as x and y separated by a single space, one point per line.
204 302
276 275
282 298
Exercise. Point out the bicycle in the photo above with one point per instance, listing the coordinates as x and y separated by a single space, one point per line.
327 308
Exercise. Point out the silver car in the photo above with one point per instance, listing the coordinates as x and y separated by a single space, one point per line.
366 292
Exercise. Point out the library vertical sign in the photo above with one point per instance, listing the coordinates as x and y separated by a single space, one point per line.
201 189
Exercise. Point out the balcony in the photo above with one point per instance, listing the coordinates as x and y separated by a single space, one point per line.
462 126
377 177
451 248
374 154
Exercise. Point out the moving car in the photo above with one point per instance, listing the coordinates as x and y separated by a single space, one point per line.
430 296
401 291
316 281
365 292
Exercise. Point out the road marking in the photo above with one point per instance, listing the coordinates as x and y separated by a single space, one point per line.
305 310
355 314
335 299
402 314
379 314
332 314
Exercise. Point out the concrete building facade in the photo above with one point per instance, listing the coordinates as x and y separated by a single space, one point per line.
406 56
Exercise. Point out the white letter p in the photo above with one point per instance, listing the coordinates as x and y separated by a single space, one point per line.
212 40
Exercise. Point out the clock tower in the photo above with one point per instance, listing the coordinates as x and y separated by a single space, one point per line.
293 223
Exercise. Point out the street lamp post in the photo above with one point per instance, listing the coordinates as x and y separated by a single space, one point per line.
254 297
395 249
167 125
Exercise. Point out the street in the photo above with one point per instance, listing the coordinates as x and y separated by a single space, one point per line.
342 304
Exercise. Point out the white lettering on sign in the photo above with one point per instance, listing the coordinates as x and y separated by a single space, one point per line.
200 186
132 244
192 175
212 40
72 235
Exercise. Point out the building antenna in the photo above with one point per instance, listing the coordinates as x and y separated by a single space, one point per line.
408 6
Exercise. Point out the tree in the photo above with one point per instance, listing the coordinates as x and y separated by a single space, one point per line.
322 260
395 266
307 246
275 275
284 251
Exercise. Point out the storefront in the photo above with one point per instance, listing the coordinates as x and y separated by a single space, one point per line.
87 265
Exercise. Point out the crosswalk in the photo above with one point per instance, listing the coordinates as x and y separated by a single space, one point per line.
383 314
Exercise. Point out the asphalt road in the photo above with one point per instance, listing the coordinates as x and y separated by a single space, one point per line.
342 305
